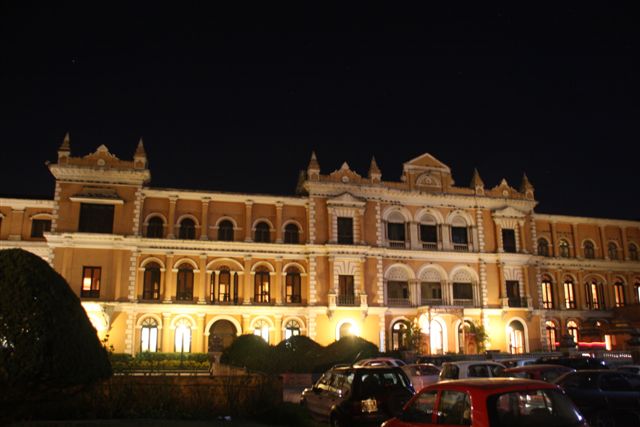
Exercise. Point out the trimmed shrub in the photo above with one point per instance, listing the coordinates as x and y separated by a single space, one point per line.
47 343
251 352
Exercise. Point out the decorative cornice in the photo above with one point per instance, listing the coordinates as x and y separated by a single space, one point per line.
165 193
585 220
84 174
21 204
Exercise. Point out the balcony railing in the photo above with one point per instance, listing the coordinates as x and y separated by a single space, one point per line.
431 301
517 302
224 301
346 300
396 244
430 246
398 302
463 302
461 247
261 301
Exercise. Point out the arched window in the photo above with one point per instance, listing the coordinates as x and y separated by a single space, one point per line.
552 335
151 283
293 288
516 337
618 291
346 330
547 293
155 228
569 294
463 294
612 249
291 234
227 286
633 252
225 231
291 329
261 329
429 232
400 335
572 329
436 337
221 335
563 247
543 247
589 250
263 233
396 230
398 293
184 291
466 342
261 294
183 336
149 335
187 229
594 295
459 234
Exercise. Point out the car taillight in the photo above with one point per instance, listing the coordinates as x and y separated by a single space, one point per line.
369 405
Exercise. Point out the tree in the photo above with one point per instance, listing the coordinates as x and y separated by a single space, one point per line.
47 343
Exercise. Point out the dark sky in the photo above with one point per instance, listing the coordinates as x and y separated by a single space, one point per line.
235 100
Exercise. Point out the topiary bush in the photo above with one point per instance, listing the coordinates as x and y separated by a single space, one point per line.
297 354
47 343
251 352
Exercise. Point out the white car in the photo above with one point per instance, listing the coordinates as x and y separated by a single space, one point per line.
379 361
516 363
470 369
422 374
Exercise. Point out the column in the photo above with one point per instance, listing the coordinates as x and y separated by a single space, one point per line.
200 334
201 291
167 334
499 238
414 292
277 324
248 217
333 286
609 293
603 244
525 292
553 250
168 287
279 206
576 243
17 218
414 237
130 332
204 230
625 244
172 216
361 222
247 288
474 238
503 285
522 240
332 231
447 245
580 295
560 291
246 323
278 287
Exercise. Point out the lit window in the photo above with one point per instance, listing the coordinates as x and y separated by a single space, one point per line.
569 295
594 294
564 248
261 329
399 335
184 291
516 337
618 291
547 294
292 286
261 287
91 282
151 285
183 336
436 337
149 335
291 329
551 335
572 329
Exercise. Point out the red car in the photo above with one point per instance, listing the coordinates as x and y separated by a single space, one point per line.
490 402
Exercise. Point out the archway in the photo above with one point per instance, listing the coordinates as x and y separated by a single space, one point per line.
515 331
221 335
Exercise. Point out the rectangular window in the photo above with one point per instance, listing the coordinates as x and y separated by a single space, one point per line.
462 291
428 233
345 230
618 290
459 235
395 232
39 227
90 282
431 293
547 295
346 291
149 339
95 218
513 294
569 296
509 240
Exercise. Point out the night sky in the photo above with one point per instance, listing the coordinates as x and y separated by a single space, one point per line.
236 100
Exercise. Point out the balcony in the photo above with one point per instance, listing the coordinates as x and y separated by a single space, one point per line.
463 302
348 300
430 301
430 246
400 244
261 301
398 302
294 300
461 247
517 302
224 301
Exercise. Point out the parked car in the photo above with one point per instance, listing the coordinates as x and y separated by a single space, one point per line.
358 395
634 369
537 372
606 397
513 363
575 362
490 402
436 359
470 369
380 361
422 374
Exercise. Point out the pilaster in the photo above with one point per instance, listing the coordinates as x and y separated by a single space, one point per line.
204 230
279 206
172 216
248 219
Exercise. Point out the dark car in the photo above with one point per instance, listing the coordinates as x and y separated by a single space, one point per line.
574 362
489 402
606 397
537 372
358 395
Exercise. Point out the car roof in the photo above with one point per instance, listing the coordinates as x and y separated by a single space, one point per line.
489 384
537 367
367 368
473 362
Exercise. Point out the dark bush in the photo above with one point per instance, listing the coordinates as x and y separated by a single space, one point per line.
251 352
346 350
297 354
47 343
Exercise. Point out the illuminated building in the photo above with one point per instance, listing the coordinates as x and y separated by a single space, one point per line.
181 270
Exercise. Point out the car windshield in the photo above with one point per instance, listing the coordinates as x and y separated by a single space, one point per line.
532 408
375 382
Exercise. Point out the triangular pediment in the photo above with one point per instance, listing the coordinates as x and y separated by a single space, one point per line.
426 161
346 199
509 212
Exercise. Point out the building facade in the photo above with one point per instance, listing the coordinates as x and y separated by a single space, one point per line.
180 270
